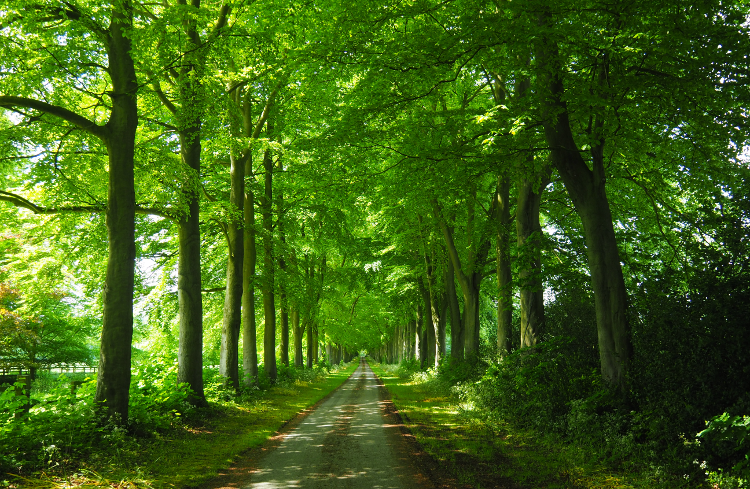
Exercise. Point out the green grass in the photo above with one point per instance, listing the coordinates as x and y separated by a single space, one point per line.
198 448
483 453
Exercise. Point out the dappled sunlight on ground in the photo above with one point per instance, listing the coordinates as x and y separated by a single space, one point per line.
343 443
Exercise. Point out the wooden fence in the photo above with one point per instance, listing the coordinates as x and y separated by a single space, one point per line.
53 369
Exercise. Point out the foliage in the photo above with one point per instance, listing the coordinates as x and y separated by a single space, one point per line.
535 386
727 441
381 111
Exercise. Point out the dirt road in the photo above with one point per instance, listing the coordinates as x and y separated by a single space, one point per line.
349 441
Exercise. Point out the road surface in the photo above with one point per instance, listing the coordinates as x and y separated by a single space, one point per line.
348 441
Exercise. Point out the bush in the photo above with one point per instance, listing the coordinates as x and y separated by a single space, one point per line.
58 424
726 442
157 400
535 387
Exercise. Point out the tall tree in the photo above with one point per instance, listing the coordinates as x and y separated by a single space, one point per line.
269 306
188 114
118 136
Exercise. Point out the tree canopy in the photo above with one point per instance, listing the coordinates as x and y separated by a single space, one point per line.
420 180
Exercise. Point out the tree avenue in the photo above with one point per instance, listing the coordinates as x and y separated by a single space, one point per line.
514 195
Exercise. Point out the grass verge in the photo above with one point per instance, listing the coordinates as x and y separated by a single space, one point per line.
484 453
193 452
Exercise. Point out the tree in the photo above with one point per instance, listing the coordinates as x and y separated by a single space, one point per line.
117 135
186 107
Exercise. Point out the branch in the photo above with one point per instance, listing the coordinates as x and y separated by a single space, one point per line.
19 201
452 252
267 109
221 22
159 93
214 289
151 211
78 120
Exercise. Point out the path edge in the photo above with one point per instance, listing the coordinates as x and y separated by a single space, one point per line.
438 477
239 471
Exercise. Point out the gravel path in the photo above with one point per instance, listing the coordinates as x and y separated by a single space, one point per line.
349 441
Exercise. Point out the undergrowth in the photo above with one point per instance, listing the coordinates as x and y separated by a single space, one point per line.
56 432
542 397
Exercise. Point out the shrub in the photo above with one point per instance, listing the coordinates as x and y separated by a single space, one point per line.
536 386
726 442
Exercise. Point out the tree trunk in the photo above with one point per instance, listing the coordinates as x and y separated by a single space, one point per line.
471 315
191 96
404 341
457 330
113 379
310 343
504 281
297 331
411 335
282 279
433 358
230 333
316 342
433 336
529 240
587 189
441 328
190 350
419 344
269 307
471 279
249 339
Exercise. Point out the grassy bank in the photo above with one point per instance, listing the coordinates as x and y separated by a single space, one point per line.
482 453
196 445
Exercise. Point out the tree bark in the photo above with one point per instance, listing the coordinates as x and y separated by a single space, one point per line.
316 342
469 280
434 345
504 280
440 339
230 333
420 348
529 241
250 256
587 190
113 379
457 330
297 331
310 343
249 334
282 271
411 335
190 349
269 307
